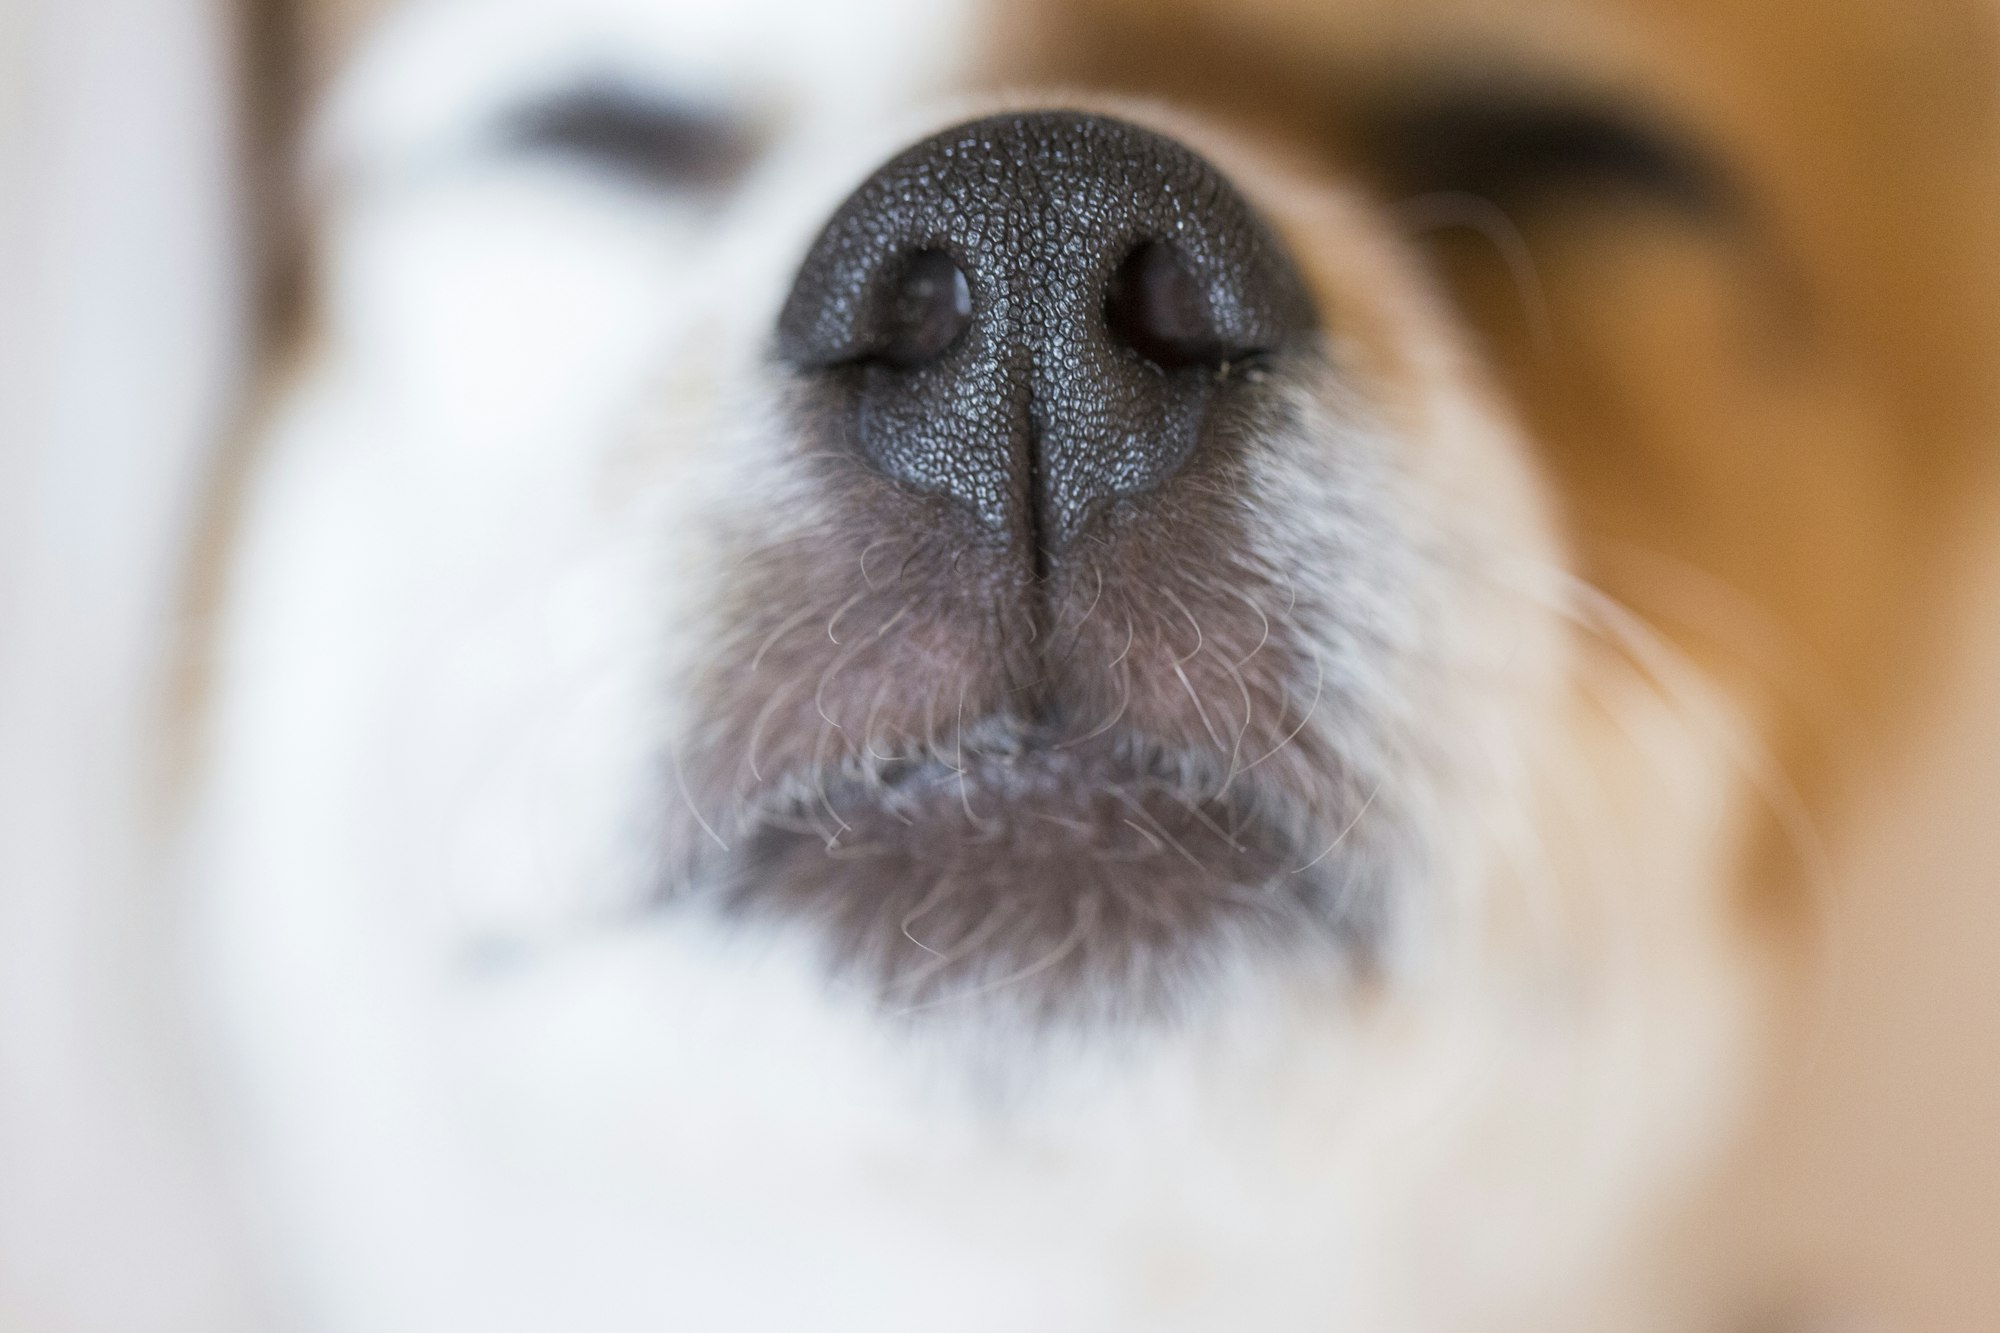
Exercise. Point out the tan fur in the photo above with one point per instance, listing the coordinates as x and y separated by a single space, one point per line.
1773 457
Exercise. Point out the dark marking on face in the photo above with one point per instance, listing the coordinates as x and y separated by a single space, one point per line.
1520 144
638 134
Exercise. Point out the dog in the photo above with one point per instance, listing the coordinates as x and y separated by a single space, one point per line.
1069 666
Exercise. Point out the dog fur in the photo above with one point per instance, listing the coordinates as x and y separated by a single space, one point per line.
1639 475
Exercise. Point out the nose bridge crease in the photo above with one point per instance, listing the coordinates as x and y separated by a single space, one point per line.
1035 484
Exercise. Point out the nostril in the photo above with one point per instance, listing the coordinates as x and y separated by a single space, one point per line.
1156 306
930 306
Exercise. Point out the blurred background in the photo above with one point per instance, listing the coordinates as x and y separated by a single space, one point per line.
128 276
147 242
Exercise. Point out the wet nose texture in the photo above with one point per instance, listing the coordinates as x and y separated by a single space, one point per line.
1039 313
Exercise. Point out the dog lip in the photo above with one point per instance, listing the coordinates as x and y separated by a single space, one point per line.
1051 876
1013 772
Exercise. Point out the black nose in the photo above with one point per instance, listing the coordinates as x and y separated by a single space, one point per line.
1038 313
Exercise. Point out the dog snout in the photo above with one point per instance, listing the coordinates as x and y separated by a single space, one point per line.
1038 313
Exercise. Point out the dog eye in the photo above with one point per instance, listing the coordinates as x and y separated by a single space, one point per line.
1520 146
635 134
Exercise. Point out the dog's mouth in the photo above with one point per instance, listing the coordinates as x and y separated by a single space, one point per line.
1048 876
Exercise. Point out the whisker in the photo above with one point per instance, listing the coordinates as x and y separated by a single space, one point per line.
1462 208
1117 714
1677 680
1095 598
1152 839
940 960
1264 638
937 895
964 793
1199 711
847 657
872 546
1086 919
1249 711
1131 636
1075 826
1172 596
1194 809
819 788
834 623
868 728
1700 598
680 780
1342 837
1160 829
764 715
1319 683
785 626
891 622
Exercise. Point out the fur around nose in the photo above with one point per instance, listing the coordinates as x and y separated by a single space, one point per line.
1038 313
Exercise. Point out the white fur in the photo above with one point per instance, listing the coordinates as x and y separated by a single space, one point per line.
480 1086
